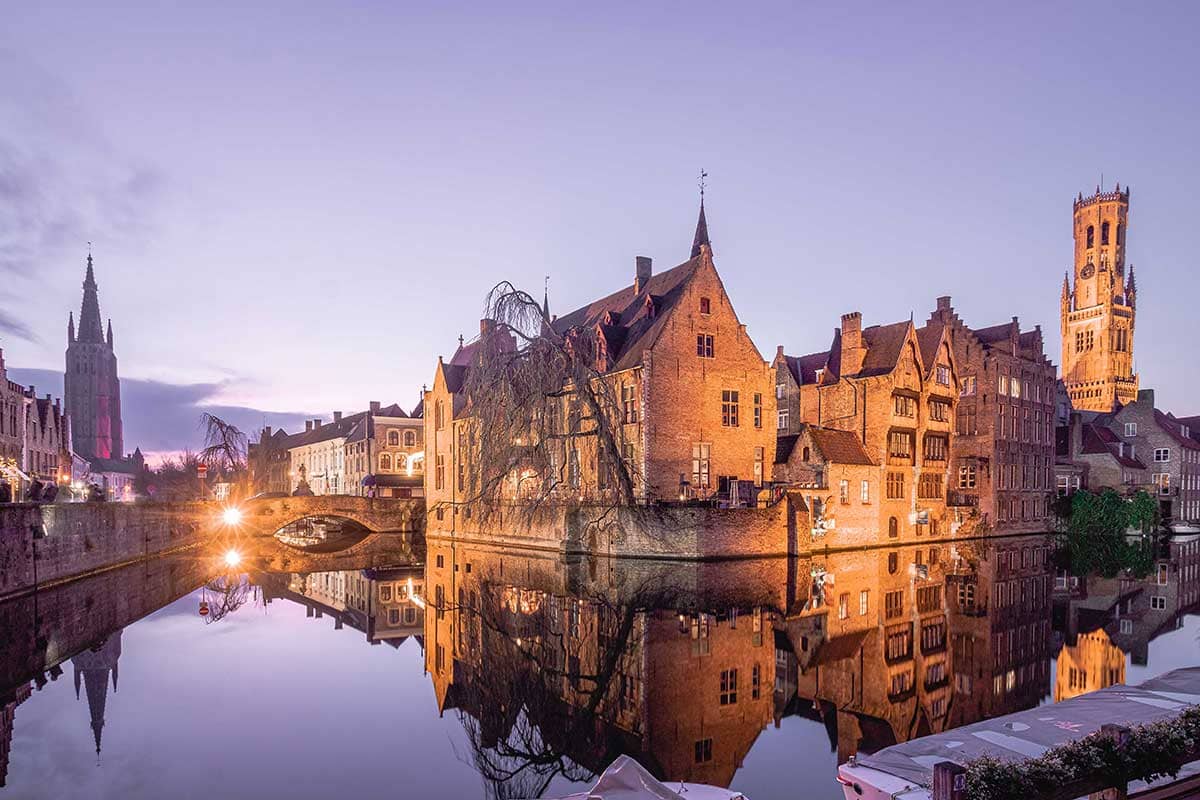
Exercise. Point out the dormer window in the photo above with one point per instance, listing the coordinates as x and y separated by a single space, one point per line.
705 305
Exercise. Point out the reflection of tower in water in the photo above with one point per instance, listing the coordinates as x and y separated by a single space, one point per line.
1094 662
93 668
7 714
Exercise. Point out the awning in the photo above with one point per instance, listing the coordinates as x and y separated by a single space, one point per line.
368 480
12 473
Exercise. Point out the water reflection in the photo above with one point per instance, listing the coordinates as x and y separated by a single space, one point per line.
539 670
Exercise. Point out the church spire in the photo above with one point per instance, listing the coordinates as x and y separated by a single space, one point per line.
701 237
70 327
89 313
108 336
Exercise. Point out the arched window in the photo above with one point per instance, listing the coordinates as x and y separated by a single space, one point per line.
893 527
410 438
393 438
1120 234
893 562
1104 233
401 461
438 416
385 463
1091 236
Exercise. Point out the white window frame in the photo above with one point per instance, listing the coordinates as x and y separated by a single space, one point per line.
1131 429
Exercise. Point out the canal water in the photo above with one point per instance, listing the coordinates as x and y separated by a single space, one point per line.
506 674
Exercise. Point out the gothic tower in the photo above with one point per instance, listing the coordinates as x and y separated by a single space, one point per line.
91 386
1098 310
94 668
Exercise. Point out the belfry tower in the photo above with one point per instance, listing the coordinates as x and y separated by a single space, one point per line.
91 386
1098 309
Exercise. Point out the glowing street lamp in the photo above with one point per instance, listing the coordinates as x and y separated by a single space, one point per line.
232 558
232 516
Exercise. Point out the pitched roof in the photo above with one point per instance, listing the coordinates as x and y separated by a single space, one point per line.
327 431
1171 426
839 447
884 344
629 321
784 446
804 368
993 333
1099 440
701 237
929 336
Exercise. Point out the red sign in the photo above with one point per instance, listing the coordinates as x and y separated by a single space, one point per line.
202 470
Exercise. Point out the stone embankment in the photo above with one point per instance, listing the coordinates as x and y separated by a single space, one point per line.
42 545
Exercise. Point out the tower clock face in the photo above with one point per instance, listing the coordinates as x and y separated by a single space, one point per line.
1088 271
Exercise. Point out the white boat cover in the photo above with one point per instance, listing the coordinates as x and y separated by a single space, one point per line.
626 779
1029 734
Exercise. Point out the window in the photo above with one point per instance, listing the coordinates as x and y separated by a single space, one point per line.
782 419
936 448
893 527
939 410
1015 389
893 563
729 408
930 486
704 751
900 444
893 604
1104 233
439 416
1158 602
728 687
393 438
385 593
704 345
843 605
629 409
385 463
705 305
966 476
439 473
573 472
700 465
1002 385
755 682
410 438
904 406
1091 236
865 492
895 486
864 602
1162 455
757 410
1163 481
969 385
942 375
844 492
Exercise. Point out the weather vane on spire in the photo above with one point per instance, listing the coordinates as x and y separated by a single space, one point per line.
702 183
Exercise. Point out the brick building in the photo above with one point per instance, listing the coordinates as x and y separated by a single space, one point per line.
839 480
270 462
695 393
1099 306
386 450
898 395
1091 456
1004 423
1171 454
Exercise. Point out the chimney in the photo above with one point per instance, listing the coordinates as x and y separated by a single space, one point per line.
1074 435
308 426
642 271
337 416
1146 397
316 423
943 303
266 433
375 406
853 351
778 353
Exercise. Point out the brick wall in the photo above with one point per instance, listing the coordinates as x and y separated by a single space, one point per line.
41 544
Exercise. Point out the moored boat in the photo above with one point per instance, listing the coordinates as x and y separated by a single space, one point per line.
626 779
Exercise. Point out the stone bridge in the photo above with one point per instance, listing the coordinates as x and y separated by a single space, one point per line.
266 516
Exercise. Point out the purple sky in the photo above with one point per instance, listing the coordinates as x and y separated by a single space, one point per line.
301 206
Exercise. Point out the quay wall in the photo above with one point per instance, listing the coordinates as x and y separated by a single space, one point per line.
45 544
664 532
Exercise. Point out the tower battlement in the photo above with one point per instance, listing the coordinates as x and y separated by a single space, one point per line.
1102 197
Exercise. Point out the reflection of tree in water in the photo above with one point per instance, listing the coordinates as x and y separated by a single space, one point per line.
225 594
548 686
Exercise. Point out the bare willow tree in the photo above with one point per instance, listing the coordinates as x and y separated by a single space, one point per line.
224 445
538 401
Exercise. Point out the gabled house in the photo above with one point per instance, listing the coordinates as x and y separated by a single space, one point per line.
897 394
